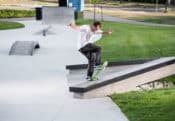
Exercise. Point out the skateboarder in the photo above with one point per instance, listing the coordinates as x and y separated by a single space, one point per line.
89 34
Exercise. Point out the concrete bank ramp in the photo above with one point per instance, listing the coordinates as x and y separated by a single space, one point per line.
54 16
119 77
24 48
57 15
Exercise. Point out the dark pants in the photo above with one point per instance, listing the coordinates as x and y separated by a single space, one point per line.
93 54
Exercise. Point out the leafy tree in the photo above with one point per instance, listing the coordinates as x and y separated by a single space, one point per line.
95 2
167 4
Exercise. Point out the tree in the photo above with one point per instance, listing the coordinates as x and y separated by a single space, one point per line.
157 4
95 2
167 4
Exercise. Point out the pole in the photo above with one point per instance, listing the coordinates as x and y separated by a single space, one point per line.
94 11
63 3
101 13
157 2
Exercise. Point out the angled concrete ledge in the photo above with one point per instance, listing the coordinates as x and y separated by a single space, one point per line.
125 80
118 63
24 48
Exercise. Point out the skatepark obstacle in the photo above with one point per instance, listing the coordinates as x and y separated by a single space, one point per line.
57 15
53 16
119 78
24 48
38 13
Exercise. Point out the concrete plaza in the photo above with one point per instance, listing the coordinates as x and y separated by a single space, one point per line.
35 88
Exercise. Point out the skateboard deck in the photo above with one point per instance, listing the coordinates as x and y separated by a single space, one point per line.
98 71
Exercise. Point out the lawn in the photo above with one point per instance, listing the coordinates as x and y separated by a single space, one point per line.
168 79
131 42
126 4
142 15
10 25
159 19
154 105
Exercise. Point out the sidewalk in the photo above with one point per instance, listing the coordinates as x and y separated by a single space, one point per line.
89 15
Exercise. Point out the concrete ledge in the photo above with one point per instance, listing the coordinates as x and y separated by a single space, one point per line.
24 48
118 63
126 80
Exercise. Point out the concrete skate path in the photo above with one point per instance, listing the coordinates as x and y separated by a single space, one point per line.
35 88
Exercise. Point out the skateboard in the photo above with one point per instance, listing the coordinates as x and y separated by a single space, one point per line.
99 70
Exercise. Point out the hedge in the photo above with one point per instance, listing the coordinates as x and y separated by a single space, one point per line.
9 13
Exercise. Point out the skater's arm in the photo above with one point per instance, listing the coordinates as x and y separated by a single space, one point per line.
74 26
109 32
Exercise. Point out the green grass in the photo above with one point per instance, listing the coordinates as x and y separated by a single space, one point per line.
10 25
10 13
126 4
160 20
168 79
131 42
154 105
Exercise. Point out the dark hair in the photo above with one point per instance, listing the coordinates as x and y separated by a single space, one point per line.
97 23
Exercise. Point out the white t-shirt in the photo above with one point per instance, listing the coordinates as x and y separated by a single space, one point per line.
87 36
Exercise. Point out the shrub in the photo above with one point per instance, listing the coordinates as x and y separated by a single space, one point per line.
8 13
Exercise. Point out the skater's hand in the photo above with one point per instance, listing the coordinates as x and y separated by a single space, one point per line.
110 31
71 24
74 26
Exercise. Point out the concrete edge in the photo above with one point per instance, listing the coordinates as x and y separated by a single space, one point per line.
114 63
120 78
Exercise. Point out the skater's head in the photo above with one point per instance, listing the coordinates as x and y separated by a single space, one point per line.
96 26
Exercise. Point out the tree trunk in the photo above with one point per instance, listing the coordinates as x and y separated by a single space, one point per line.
167 4
120 1
94 12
